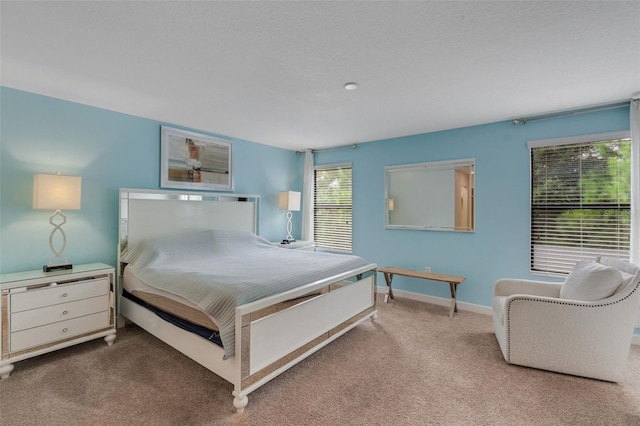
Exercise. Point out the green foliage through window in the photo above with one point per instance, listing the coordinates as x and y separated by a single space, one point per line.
332 208
580 203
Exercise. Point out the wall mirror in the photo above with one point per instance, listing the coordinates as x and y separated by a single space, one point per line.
435 196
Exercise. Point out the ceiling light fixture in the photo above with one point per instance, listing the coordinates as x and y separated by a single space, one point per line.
351 85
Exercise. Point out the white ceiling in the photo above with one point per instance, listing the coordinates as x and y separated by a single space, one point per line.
273 72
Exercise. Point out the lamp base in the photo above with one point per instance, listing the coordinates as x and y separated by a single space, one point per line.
53 268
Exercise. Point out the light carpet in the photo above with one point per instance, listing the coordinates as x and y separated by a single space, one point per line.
412 366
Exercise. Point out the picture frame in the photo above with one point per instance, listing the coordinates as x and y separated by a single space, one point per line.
195 161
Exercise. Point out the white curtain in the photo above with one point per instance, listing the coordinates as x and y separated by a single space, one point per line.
634 118
307 197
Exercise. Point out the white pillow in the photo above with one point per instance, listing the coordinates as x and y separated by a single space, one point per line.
626 279
589 281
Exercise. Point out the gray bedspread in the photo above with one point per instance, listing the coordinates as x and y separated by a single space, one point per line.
220 270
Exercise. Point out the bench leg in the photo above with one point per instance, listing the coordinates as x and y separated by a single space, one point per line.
389 294
454 304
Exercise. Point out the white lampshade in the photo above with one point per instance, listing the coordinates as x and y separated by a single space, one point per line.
56 192
289 200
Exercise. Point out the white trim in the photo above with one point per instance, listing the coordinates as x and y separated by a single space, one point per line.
634 122
447 164
465 306
625 134
308 196
142 193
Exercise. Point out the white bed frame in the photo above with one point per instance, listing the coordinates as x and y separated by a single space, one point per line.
269 339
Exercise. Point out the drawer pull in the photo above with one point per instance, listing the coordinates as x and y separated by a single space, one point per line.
65 312
64 330
64 294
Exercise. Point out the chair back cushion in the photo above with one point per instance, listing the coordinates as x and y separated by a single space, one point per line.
621 265
590 281
630 272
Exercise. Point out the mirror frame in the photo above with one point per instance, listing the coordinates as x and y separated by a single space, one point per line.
390 200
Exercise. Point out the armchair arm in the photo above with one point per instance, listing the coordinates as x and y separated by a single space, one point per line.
509 286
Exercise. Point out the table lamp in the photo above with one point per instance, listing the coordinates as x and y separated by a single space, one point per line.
57 192
290 201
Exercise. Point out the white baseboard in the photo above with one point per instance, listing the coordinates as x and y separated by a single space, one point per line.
471 307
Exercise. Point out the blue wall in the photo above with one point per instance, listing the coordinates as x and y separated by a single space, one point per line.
500 246
112 150
109 150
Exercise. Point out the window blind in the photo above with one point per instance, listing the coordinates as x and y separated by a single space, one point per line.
332 208
580 203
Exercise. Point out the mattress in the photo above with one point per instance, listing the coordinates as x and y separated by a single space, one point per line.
205 333
167 302
176 306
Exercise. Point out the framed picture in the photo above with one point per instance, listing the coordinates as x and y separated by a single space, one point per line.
191 160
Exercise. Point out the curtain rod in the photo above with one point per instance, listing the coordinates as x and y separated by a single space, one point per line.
313 151
616 105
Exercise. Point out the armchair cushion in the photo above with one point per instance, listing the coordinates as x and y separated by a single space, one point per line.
590 281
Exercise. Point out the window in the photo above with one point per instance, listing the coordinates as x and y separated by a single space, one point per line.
580 201
332 207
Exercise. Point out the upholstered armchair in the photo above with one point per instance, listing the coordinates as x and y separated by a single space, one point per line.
582 327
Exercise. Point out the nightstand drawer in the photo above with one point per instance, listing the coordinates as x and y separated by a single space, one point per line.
58 331
47 296
62 312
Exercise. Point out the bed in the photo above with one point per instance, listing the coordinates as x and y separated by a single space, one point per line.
250 311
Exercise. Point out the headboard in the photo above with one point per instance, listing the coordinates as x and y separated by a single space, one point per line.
148 213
